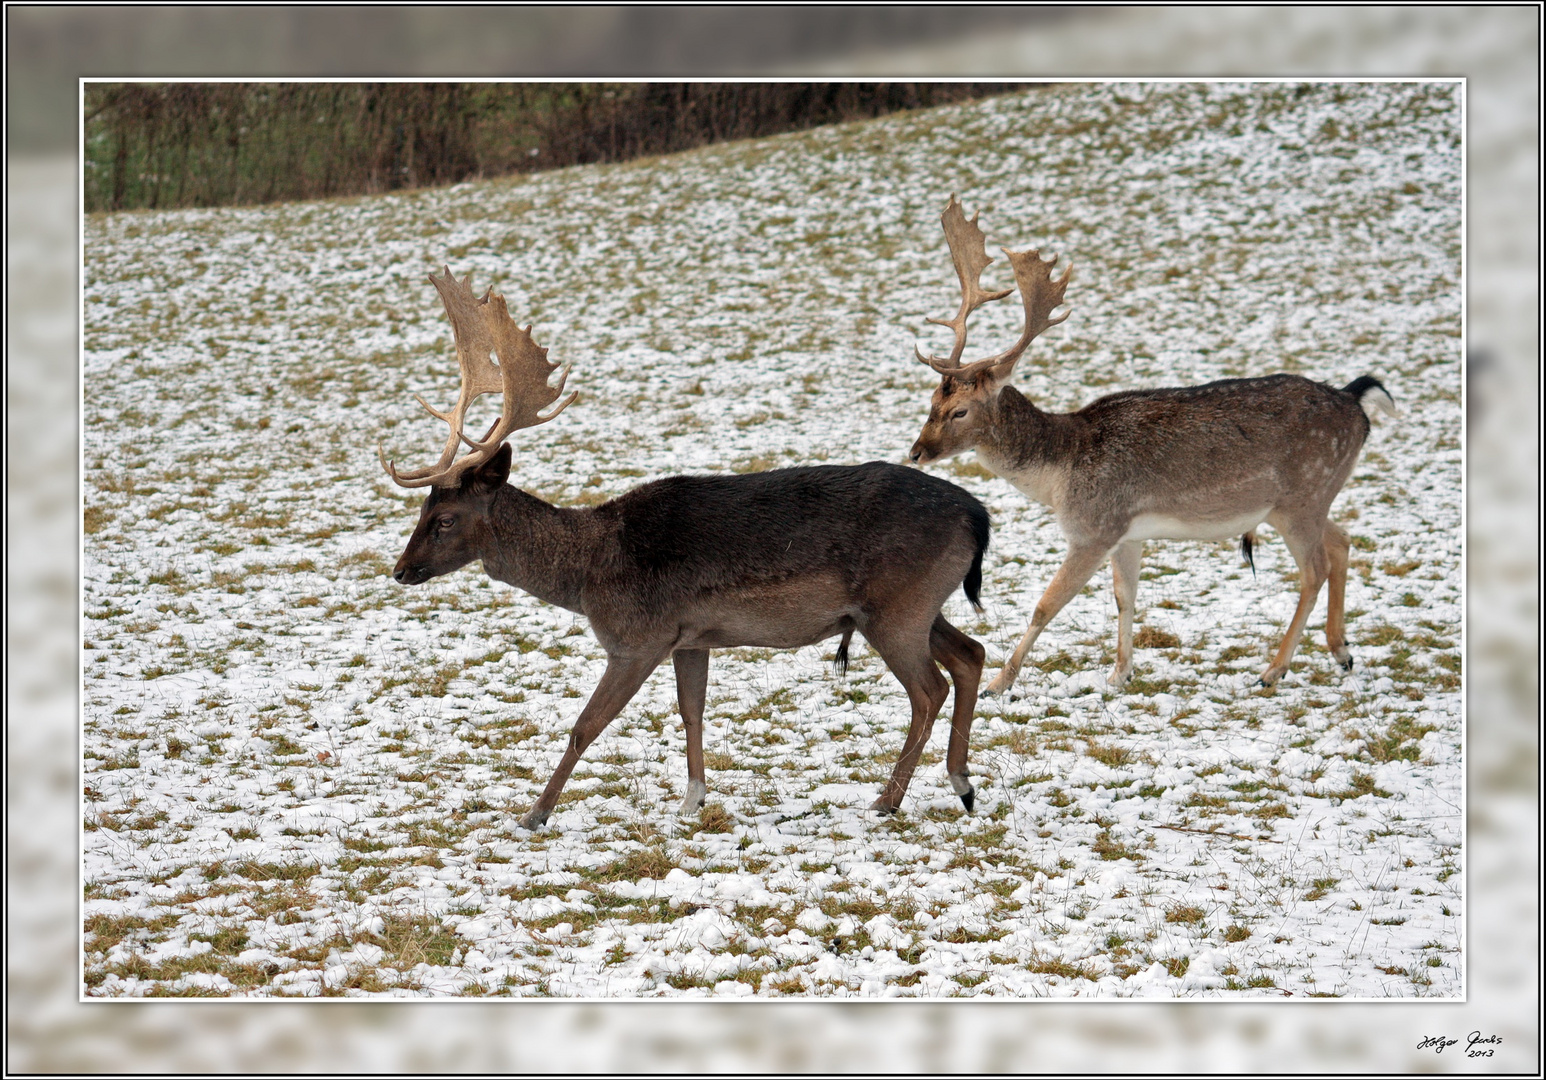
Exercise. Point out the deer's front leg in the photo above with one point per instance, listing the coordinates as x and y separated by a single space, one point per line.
1083 560
619 683
692 686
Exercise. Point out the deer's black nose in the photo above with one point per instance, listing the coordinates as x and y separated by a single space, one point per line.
400 576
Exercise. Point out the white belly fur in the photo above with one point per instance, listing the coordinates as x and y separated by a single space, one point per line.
1048 485
1165 527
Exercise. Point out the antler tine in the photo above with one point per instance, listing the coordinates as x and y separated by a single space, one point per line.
482 328
969 254
425 476
1041 293
524 371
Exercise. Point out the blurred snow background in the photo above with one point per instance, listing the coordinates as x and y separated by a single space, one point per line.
1497 48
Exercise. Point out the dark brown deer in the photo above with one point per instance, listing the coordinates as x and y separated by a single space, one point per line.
1208 462
687 564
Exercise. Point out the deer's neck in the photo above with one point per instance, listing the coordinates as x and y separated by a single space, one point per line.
1032 449
542 549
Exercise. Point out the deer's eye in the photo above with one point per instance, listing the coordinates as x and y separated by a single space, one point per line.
446 522
958 414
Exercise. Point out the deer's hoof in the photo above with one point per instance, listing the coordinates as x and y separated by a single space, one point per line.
998 686
1346 662
696 790
963 787
534 820
882 807
1119 678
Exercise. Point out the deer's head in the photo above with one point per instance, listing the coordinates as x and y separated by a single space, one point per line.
453 527
453 523
960 412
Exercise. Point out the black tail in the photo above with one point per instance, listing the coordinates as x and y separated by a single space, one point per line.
973 581
842 652
1359 386
1245 549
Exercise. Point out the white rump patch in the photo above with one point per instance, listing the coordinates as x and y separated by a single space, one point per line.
1376 398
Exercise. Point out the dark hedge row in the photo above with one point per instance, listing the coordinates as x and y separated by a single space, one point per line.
222 144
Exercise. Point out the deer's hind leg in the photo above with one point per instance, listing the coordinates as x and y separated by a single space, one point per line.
1306 541
1125 562
692 687
1337 545
907 654
963 658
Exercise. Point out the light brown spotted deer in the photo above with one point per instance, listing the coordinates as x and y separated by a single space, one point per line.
687 564
1208 462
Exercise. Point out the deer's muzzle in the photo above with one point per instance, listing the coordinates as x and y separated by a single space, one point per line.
411 575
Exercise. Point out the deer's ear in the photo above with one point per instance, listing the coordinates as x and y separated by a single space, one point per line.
492 474
994 379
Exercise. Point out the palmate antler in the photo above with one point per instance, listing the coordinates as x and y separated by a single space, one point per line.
1039 291
482 326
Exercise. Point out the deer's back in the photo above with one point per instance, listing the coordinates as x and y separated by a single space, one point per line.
778 559
1250 408
773 525
1232 426
1220 453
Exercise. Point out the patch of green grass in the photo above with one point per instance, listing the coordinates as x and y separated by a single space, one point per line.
1384 634
714 818
1062 969
1060 661
1149 637
1362 784
1397 742
1320 887
647 863
1109 848
682 980
254 870
137 966
105 931
1114 756
408 940
962 936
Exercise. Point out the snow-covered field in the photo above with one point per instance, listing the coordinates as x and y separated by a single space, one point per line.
302 779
